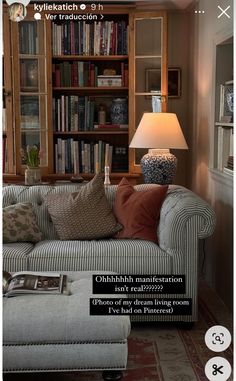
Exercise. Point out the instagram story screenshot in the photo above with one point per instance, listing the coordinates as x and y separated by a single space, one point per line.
117 161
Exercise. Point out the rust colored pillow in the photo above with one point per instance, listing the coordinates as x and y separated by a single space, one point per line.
138 211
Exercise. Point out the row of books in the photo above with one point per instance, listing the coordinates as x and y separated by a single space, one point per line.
96 38
73 113
74 156
78 113
230 162
225 142
28 37
229 168
84 74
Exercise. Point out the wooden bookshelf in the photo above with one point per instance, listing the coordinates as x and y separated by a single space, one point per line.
33 42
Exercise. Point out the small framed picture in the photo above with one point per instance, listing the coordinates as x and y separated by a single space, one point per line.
153 82
227 102
174 82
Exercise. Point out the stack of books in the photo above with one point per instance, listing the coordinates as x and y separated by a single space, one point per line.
73 156
109 80
28 37
230 162
85 74
96 38
230 166
74 74
73 113
110 127
120 159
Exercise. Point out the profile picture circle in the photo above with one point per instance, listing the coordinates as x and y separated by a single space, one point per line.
23 2
17 12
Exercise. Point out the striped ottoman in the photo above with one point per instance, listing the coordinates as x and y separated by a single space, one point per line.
48 333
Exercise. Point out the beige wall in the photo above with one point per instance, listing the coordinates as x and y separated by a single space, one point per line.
207 30
178 56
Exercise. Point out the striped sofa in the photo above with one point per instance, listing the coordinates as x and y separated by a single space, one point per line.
184 220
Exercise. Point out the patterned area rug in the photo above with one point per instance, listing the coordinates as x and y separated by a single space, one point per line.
160 352
172 354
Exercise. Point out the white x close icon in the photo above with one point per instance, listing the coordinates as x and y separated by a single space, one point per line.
223 12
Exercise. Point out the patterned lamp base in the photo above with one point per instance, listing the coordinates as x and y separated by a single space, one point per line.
159 168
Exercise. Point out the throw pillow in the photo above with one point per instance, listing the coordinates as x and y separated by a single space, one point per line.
85 214
19 224
138 211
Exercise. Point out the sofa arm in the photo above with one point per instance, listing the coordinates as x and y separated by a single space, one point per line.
184 217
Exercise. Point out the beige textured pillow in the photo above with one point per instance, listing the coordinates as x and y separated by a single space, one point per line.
19 224
85 214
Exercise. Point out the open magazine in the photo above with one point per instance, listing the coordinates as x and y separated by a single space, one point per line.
28 282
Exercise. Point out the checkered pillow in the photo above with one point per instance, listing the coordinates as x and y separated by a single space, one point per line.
85 214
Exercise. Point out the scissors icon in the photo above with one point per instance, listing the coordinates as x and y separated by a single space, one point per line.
217 369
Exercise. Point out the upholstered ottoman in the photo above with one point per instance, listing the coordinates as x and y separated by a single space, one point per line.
46 333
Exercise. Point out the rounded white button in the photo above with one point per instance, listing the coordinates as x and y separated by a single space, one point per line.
218 338
218 369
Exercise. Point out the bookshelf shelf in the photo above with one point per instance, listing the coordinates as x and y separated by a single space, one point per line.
115 177
223 136
106 132
230 125
90 58
223 149
87 175
90 88
224 133
53 178
29 89
31 56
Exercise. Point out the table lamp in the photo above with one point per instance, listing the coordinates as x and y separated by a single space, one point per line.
159 131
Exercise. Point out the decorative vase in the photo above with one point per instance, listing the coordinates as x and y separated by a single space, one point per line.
32 175
159 168
119 111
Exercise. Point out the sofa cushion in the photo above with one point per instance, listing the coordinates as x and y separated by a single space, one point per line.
15 256
19 224
122 256
85 214
138 212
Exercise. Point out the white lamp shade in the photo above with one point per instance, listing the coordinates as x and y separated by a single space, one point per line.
159 130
